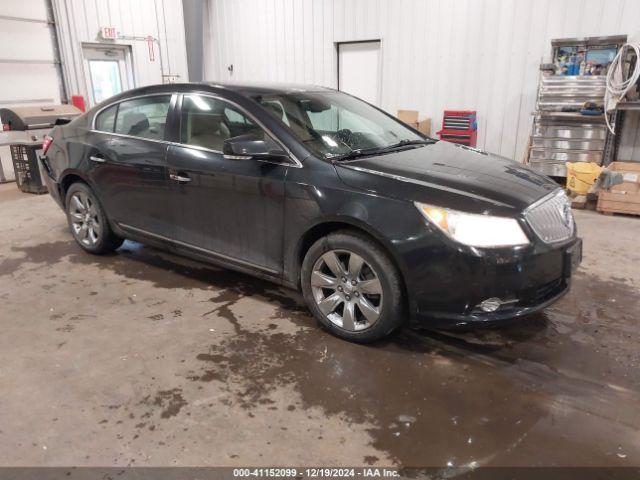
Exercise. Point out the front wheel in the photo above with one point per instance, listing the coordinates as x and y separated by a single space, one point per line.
352 287
88 222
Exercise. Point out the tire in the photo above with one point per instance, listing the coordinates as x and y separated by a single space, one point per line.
348 309
88 222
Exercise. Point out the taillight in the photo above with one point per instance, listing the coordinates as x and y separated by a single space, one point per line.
46 144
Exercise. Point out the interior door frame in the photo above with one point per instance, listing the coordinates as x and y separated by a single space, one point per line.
380 69
127 78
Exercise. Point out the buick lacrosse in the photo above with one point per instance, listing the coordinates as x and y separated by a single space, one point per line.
317 190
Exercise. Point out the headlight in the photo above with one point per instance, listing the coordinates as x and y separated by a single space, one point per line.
475 230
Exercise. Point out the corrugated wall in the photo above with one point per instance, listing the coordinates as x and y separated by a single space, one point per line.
28 73
437 54
80 22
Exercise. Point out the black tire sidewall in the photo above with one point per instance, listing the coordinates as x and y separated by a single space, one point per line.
107 241
392 315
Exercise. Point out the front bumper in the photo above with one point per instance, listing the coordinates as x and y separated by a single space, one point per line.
448 290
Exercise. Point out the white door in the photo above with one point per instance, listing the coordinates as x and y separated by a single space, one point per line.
107 71
28 70
359 70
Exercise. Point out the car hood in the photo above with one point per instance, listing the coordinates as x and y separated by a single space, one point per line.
449 175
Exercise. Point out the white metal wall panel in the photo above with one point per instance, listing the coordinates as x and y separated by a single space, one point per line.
23 42
80 22
436 54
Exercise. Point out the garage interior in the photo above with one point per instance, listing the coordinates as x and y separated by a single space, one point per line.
144 358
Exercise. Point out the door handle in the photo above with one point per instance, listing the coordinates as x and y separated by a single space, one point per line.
97 158
179 178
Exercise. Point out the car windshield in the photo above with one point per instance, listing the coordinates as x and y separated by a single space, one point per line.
336 125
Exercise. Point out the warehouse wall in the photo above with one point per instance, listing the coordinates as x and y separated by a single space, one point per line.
437 54
27 58
80 21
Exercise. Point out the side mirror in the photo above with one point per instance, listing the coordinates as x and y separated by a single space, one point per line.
62 121
252 146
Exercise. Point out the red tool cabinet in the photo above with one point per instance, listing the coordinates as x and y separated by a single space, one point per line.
459 126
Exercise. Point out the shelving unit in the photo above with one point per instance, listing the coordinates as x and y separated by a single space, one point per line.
627 114
561 136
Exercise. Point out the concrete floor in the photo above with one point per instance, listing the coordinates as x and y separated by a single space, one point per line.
143 358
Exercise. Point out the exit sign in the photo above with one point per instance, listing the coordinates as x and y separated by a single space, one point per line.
108 33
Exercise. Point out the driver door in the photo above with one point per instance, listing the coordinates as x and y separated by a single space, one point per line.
226 208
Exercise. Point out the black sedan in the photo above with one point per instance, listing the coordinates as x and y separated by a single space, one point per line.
317 190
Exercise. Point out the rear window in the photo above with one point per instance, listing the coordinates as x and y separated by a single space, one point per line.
143 117
106 120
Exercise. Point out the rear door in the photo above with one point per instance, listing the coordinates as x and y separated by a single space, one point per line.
223 207
129 167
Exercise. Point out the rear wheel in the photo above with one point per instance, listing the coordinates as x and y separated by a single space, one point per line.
352 287
87 221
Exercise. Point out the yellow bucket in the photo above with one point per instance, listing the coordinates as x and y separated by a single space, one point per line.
581 175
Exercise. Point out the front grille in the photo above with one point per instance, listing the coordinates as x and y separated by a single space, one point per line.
551 218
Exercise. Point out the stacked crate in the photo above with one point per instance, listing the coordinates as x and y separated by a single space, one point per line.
623 197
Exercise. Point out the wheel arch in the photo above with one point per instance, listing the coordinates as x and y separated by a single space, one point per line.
68 178
330 225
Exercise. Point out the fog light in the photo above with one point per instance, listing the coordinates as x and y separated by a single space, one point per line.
490 304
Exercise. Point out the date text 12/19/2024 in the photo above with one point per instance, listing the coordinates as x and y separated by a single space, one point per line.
366 472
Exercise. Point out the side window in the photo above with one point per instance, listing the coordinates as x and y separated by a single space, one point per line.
207 122
143 117
106 119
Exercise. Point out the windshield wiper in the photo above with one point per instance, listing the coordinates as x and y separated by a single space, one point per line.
356 154
389 148
405 143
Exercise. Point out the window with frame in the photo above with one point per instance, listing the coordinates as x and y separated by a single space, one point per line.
106 119
144 117
208 121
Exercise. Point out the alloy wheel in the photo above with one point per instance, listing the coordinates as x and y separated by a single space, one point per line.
85 221
347 290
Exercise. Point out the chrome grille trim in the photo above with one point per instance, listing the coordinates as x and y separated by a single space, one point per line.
551 218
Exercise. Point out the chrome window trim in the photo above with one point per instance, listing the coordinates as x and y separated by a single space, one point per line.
199 249
132 136
296 163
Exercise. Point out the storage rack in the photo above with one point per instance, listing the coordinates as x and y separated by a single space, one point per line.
560 132
561 136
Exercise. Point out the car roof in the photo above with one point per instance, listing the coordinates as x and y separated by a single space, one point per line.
245 89
266 88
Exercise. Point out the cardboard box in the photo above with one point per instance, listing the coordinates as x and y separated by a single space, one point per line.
410 117
424 127
624 197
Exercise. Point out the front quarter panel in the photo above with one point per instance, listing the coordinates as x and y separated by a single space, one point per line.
315 195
